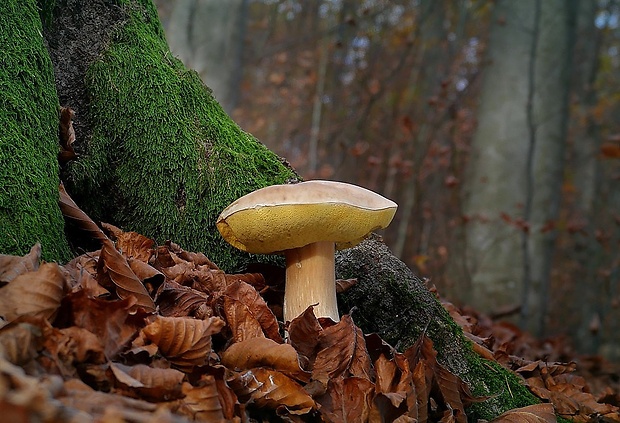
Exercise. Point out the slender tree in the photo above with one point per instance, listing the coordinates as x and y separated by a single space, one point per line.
513 186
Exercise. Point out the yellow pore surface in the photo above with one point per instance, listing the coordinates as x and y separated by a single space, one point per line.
268 229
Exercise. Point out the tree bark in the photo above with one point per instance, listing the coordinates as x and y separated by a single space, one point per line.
159 156
207 35
158 153
513 186
29 146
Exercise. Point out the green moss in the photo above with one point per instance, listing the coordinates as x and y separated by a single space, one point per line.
164 158
29 143
389 300
46 11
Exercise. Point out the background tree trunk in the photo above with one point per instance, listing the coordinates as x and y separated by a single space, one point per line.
513 187
208 36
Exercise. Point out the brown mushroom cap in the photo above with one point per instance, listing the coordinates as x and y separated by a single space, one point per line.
283 217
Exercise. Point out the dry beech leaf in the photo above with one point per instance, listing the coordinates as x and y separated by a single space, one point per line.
344 284
272 389
247 313
151 383
537 413
19 342
85 345
199 259
109 320
203 400
347 400
146 273
127 284
35 293
449 387
83 274
67 135
29 399
393 387
303 333
257 280
131 244
13 266
264 352
72 212
184 341
79 396
176 300
342 352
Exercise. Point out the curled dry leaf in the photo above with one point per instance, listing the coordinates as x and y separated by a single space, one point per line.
83 274
176 300
342 352
109 320
19 342
203 401
538 413
303 334
127 284
344 284
35 293
67 135
347 400
131 244
13 266
75 214
184 341
264 352
146 273
272 389
247 313
151 383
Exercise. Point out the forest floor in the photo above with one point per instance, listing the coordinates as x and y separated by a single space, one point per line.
136 332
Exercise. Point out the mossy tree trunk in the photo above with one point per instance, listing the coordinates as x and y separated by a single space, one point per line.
28 138
159 156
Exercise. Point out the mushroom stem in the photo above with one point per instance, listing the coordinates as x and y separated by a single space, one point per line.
310 280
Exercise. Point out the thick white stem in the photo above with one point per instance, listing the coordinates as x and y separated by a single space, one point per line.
310 280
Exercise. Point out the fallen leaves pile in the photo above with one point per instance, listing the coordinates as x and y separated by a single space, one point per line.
548 367
137 332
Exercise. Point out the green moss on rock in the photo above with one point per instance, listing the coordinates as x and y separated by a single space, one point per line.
29 174
389 300
164 158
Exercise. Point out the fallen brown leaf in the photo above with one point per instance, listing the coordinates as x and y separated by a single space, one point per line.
147 382
264 352
184 341
36 293
247 313
13 266
538 413
271 389
347 400
114 265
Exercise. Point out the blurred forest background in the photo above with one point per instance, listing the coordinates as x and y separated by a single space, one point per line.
495 125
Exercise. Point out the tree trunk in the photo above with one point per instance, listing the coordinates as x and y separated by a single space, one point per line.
29 143
207 35
158 153
513 187
159 156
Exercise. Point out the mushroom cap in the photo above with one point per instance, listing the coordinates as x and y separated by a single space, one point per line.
282 217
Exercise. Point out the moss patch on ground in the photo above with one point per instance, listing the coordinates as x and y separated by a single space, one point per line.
164 158
29 174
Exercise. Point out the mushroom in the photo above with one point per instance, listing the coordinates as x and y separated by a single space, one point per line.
306 222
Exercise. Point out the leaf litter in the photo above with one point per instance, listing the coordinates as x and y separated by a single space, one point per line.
138 332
